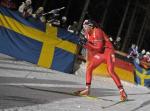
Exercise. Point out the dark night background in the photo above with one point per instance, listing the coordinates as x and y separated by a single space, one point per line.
110 14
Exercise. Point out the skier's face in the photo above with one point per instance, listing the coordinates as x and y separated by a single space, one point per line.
87 28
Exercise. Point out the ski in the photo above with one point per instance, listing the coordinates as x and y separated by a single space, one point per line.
118 102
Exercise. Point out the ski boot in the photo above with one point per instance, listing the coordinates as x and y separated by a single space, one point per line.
84 92
123 95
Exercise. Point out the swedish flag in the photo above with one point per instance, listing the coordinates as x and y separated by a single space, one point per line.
35 42
142 76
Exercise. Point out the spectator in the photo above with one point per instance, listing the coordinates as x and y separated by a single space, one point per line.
26 9
141 55
146 57
73 28
133 52
117 43
53 19
39 14
63 22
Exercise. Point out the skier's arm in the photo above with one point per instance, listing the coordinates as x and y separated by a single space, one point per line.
97 45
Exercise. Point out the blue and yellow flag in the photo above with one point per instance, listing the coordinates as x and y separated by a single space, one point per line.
142 76
32 41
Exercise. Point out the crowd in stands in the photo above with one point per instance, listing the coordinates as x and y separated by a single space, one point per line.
53 17
140 57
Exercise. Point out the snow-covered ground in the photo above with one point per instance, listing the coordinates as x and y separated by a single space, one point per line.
103 88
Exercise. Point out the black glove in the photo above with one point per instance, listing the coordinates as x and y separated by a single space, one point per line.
82 41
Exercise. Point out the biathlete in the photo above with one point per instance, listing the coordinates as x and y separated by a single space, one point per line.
99 49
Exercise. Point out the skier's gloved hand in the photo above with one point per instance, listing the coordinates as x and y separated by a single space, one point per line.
82 41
